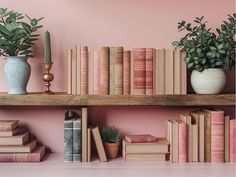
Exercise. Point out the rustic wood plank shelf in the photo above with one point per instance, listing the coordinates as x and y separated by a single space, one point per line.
63 99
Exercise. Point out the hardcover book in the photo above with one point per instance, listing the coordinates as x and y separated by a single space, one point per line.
195 142
118 70
91 73
126 72
84 121
145 157
96 76
177 72
89 145
69 70
77 139
149 71
140 138
68 137
74 73
8 125
104 71
20 139
84 70
169 71
232 140
227 138
183 139
169 135
183 74
175 141
78 70
159 72
9 133
112 61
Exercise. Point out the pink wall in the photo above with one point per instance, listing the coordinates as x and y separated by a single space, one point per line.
139 23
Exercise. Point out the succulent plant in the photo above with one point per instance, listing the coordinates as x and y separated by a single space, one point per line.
206 49
16 35
110 134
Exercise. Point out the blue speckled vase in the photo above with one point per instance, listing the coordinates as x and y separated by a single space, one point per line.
17 71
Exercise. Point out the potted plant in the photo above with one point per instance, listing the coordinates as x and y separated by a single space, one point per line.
112 139
208 53
17 37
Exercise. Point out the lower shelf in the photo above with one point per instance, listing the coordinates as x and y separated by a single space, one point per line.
53 166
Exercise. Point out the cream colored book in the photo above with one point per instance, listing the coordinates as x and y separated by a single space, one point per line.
84 134
195 142
227 138
74 73
19 139
168 135
183 74
132 73
89 144
145 157
160 72
175 140
91 73
9 133
169 71
78 67
177 72
69 70
112 60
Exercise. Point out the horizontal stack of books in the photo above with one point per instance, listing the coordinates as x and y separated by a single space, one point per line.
115 71
205 135
145 148
16 145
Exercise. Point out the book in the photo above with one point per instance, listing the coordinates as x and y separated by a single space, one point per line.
99 146
78 70
149 71
74 72
188 120
69 70
139 71
145 157
84 70
9 133
96 76
169 71
118 70
132 73
227 138
168 135
36 156
159 72
175 141
84 120
8 125
104 71
144 138
160 146
126 72
195 142
177 72
232 140
76 139
68 137
183 74
91 73
20 139
89 145
112 65
183 139
29 147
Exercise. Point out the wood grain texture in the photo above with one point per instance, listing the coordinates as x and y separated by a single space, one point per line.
63 99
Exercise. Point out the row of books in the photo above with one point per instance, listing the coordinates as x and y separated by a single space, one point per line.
202 136
115 71
16 145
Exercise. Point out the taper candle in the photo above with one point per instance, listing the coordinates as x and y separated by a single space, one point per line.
47 58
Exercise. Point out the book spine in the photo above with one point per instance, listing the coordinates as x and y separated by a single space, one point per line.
74 72
217 137
69 69
132 73
104 74
195 143
232 140
84 121
207 138
160 71
183 74
227 139
149 71
68 141
112 65
201 138
90 73
177 72
126 72
175 142
77 140
78 67
169 71
84 70
96 73
183 142
118 70
139 71
89 144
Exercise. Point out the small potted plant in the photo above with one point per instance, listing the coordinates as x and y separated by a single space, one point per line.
208 53
112 139
17 37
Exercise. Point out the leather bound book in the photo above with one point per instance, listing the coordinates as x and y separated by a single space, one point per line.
118 70
84 70
149 71
126 72
96 76
104 73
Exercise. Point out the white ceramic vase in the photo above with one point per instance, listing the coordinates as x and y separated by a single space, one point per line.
209 81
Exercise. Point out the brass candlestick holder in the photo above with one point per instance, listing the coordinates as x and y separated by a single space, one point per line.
48 77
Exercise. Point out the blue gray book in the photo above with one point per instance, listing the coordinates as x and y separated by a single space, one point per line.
77 139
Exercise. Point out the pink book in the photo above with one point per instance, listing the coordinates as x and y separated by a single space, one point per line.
183 150
232 140
139 71
35 156
96 89
126 72
140 138
84 70
104 71
217 136
149 71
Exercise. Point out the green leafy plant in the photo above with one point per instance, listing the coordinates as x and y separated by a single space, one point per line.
206 49
16 35
110 134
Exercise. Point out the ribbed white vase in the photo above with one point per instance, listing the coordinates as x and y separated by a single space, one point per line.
209 81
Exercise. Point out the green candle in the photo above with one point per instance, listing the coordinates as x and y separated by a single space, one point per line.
47 58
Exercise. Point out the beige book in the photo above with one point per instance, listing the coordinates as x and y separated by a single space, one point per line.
169 133
89 144
98 142
119 71
227 138
159 65
183 74
91 73
169 71
8 125
69 70
9 133
74 73
29 147
104 71
112 61
207 136
177 72
132 73
19 139
195 142
175 140
145 157
84 134
78 67
188 120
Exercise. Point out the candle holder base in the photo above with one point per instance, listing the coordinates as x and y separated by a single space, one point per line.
48 77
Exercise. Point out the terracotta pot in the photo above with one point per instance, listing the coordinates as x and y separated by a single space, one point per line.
112 150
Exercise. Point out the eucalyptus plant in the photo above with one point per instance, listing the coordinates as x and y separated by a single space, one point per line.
17 33
206 49
110 134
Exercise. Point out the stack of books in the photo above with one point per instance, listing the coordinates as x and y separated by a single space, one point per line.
145 148
206 135
115 71
16 145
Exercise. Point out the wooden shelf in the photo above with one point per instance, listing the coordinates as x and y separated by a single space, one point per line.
63 99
